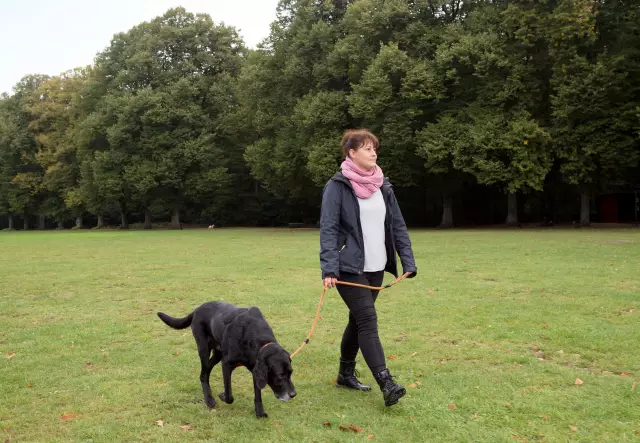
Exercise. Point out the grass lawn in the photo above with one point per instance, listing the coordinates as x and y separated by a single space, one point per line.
489 339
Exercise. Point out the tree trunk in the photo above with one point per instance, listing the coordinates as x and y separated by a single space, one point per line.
584 208
41 222
100 221
25 224
512 214
79 222
447 212
124 223
175 219
147 219
60 223
11 222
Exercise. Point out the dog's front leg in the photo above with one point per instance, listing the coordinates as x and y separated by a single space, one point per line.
226 396
258 400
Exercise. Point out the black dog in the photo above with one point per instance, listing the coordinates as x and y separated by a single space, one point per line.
237 336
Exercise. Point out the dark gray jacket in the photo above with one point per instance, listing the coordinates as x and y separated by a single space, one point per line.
341 241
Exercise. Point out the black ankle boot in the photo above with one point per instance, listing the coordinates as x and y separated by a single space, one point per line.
347 377
391 390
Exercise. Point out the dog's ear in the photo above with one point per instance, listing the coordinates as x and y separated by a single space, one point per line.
260 373
255 312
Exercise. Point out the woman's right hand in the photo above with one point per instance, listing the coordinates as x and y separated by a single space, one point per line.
330 282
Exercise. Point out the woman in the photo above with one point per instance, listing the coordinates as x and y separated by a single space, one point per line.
361 228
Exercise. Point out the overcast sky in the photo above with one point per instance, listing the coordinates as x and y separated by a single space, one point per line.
52 36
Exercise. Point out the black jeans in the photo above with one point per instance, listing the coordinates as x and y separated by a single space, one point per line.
362 330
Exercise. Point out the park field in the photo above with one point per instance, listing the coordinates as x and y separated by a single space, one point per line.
504 335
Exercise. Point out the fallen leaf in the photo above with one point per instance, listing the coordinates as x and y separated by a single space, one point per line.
67 417
10 356
508 405
418 383
177 353
30 385
430 292
520 438
607 372
412 385
332 341
392 357
186 427
414 354
579 382
411 418
371 437
546 326
633 387
452 406
545 416
355 428
73 345
574 428
418 375
160 423
342 428
624 374
4 339
473 307
327 423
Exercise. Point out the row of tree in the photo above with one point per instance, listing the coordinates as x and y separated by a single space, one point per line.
176 117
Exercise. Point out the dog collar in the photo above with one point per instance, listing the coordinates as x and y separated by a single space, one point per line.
264 346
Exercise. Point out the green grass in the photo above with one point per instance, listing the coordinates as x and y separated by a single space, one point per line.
498 323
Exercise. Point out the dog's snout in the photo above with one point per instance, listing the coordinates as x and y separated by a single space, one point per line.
292 393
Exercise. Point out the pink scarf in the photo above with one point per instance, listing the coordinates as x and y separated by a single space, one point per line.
365 183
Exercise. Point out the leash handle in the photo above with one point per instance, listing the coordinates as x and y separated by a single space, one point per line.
324 291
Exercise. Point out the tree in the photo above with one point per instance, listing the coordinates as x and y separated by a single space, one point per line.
595 58
157 134
55 111
25 194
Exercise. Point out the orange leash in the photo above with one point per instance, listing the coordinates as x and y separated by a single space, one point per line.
324 290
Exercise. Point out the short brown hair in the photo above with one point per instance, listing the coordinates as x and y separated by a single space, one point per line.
356 139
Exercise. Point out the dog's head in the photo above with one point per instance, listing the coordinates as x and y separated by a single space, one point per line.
273 368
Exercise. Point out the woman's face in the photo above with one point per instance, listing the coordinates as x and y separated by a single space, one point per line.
365 157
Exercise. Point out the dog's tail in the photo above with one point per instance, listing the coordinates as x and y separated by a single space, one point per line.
176 323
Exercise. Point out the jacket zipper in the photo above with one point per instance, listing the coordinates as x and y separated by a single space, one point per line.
353 193
360 229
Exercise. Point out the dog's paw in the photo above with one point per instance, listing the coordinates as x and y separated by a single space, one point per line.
262 414
224 398
210 402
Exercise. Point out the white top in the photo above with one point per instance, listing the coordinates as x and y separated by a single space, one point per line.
372 215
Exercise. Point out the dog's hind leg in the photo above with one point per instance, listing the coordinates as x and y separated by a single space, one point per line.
206 365
227 396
